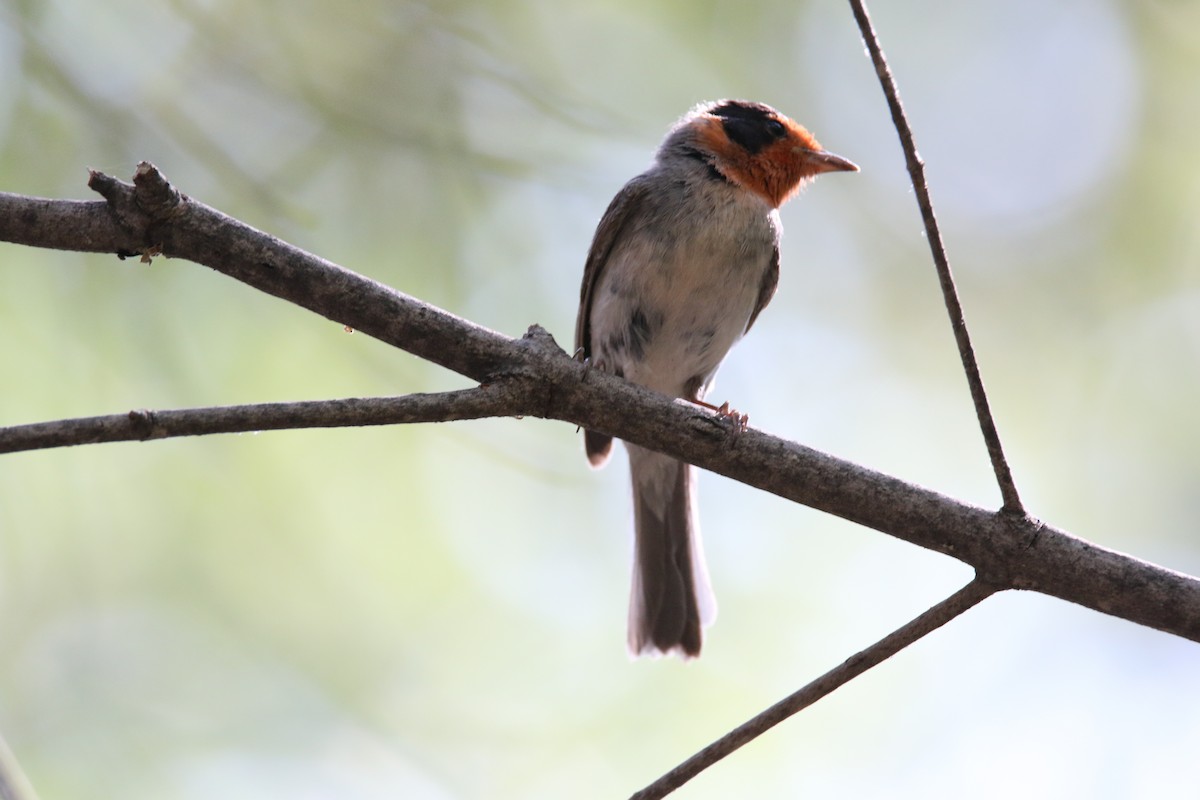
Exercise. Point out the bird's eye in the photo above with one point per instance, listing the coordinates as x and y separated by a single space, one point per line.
775 128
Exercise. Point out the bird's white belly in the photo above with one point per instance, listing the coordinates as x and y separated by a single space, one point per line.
670 323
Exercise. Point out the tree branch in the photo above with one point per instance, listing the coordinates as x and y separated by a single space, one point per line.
964 599
506 399
966 352
1006 549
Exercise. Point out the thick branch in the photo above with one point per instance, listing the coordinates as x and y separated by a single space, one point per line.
1006 549
85 225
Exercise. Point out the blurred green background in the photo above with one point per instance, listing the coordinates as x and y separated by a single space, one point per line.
438 611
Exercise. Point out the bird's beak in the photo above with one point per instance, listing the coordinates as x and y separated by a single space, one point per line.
824 161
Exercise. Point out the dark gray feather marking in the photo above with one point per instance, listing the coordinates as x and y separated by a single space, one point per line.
713 172
641 331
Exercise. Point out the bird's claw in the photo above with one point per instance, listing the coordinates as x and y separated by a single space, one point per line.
739 421
589 364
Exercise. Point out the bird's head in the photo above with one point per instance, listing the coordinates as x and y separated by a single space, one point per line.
755 147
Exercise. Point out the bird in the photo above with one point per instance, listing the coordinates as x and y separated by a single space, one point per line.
683 261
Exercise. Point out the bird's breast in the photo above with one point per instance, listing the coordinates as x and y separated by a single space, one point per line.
678 289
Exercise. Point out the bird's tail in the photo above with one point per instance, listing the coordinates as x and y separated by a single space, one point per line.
671 600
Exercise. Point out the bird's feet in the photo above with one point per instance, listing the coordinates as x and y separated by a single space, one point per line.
589 364
738 421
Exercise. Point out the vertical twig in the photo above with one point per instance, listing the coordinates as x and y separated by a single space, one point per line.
916 170
965 598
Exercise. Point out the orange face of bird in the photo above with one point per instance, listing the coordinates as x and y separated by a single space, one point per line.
760 149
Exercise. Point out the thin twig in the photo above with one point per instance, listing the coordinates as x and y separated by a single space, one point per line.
142 424
916 170
962 600
13 783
